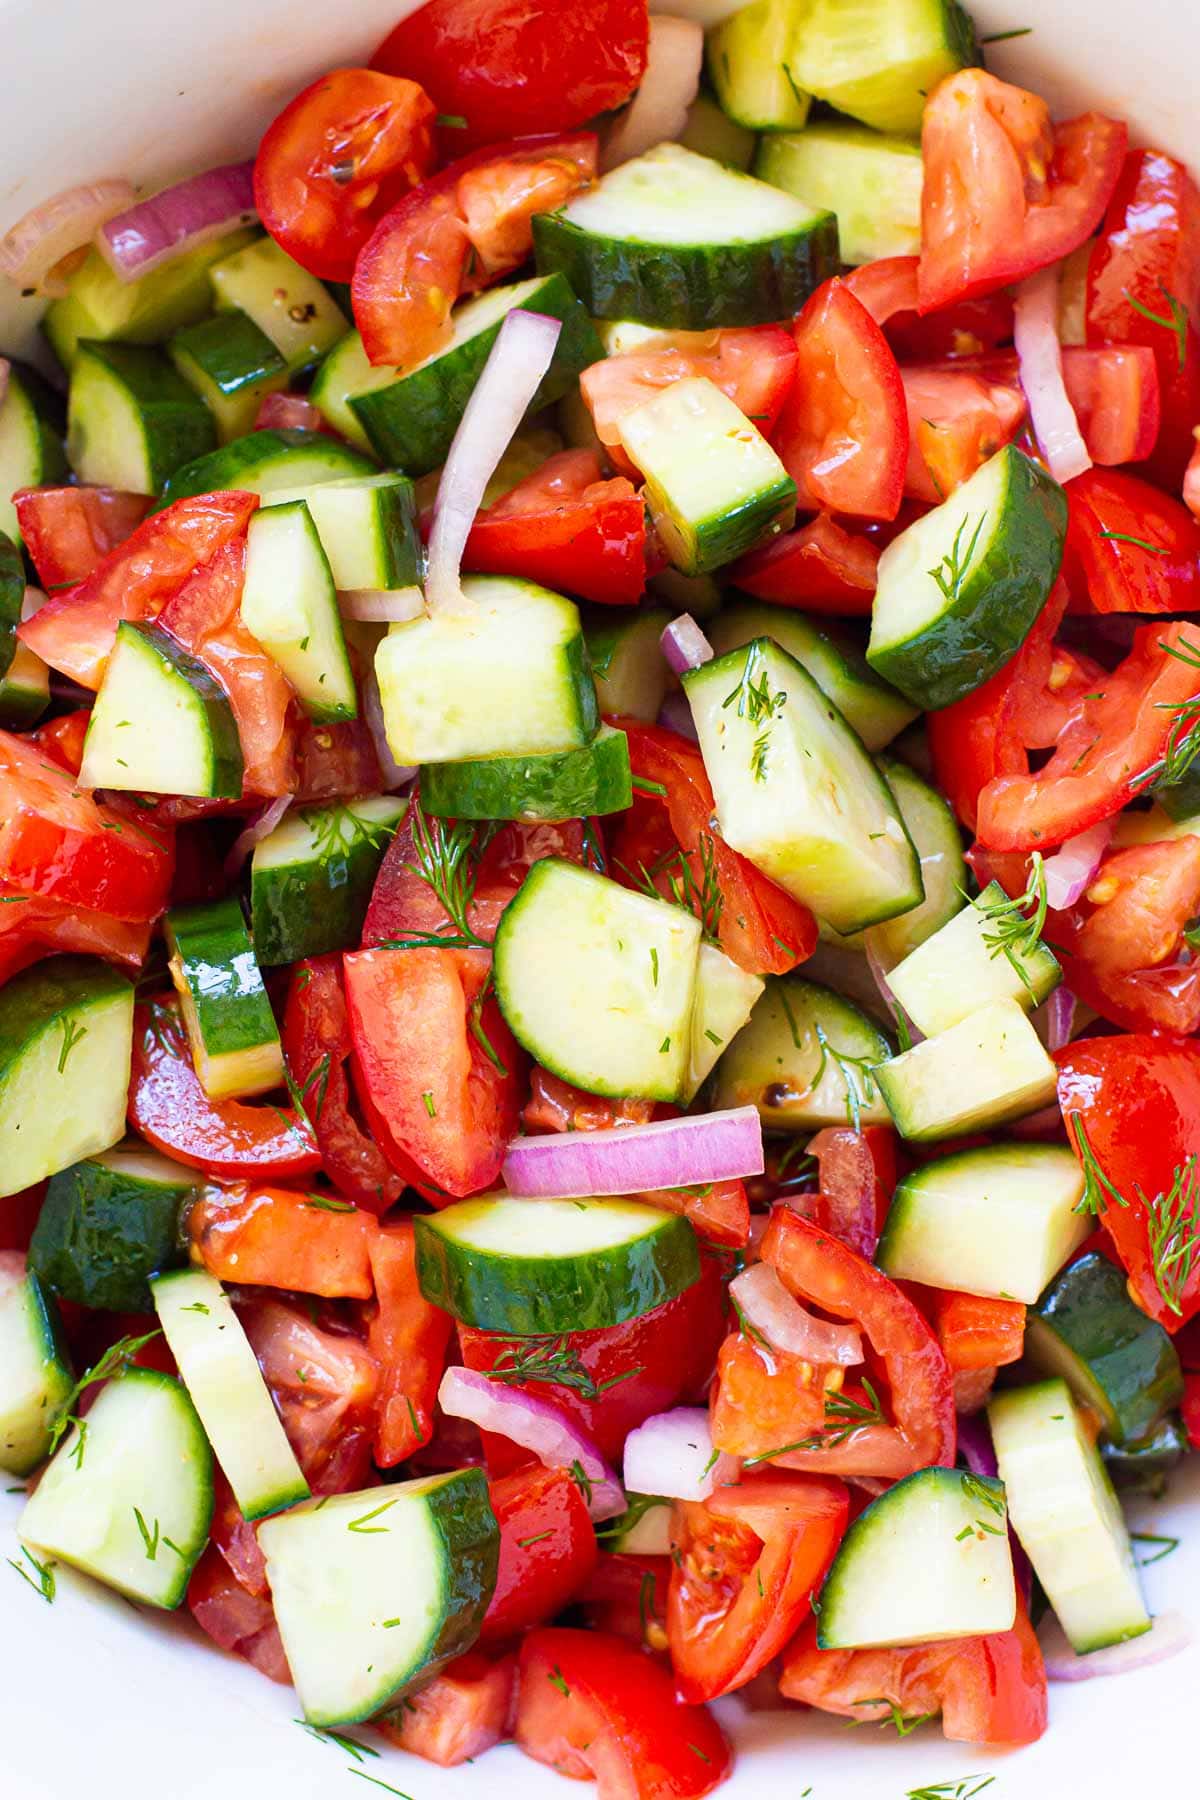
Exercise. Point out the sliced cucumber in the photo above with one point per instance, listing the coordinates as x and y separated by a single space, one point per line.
700 595
747 58
533 1266
506 676
725 998
289 603
619 1019
36 1382
231 1029
710 133
31 447
231 364
1154 826
628 664
263 462
291 308
714 485
565 784
871 182
1066 1515
344 374
377 1590
872 708
1143 1465
878 59
66 1036
1180 800
12 595
161 723
999 1221
673 238
795 790
223 1378
957 970
110 1222
987 1070
133 420
412 419
928 1560
644 1529
368 529
804 1060
959 589
931 825
24 690
311 878
1119 1364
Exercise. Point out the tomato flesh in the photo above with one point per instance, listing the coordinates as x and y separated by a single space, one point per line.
69 530
547 1549
568 528
820 567
409 1339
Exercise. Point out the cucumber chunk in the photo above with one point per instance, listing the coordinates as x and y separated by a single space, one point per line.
709 132
725 998
289 603
128 1497
344 374
227 1389
66 1036
1117 1362
31 448
161 723
1143 1465
629 667
565 784
871 182
132 419
506 676
36 1381
12 595
804 1060
676 239
931 825
985 1071
231 364
620 1020
110 1222
367 525
291 308
377 1590
24 690
1067 1516
959 590
927 1560
1000 1221
747 60
535 1266
311 878
263 462
878 59
644 1529
956 971
714 485
231 1029
795 790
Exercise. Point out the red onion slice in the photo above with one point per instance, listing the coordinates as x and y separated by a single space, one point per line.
395 775
672 1454
1168 1635
770 1310
670 1153
381 606
205 206
1072 867
31 250
658 111
254 834
1039 356
514 371
676 715
535 1425
684 644
1060 1018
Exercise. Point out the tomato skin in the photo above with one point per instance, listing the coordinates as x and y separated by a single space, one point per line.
458 1715
554 1105
32 926
820 567
857 1172
328 1416
1189 1406
1005 192
276 1237
409 1338
335 159
843 435
169 1108
1115 392
974 1330
1105 571
510 67
763 1398
957 419
234 1618
567 528
69 530
618 1720
627 1596
888 290
535 1580
336 761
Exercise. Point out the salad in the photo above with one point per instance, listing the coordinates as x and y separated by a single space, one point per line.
600 886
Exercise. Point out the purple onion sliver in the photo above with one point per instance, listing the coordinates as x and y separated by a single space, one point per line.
395 775
1060 1018
255 832
203 207
536 1425
684 644
670 1153
676 715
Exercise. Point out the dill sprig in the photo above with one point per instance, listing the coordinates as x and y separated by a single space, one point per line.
853 1071
45 1585
844 1415
1176 324
902 1723
1183 739
1014 927
447 862
115 1361
752 696
702 898
1098 1190
337 829
1174 1232
952 571
551 1359
965 1788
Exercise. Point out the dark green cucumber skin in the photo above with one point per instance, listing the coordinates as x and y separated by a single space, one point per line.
411 424
179 427
462 1513
99 1236
308 909
1181 800
531 1298
12 593
35 1000
22 707
230 350
51 411
1142 1466
587 782
228 766
975 641
217 959
723 540
403 549
221 469
690 288
1130 1357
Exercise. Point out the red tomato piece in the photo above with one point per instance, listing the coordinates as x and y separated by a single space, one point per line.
593 1706
888 290
1191 483
335 762
748 1562
323 1381
719 1211
238 1621
511 66
69 530
1005 191
554 1105
458 1715
1130 547
957 419
976 1331
62 739
820 567
857 1179
169 1108
276 1237
1115 392
18 1216
32 926
408 1337
74 631
1189 1406
569 529
335 159
843 435
547 1549
765 1400
627 1595
988 1690
291 412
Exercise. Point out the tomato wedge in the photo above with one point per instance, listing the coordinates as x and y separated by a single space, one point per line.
888 290
234 1618
336 762
32 926
976 1331
69 530
857 1175
820 567
1130 547
276 1237
408 1337
957 419
568 528
323 1381
458 1715
547 1549
626 1594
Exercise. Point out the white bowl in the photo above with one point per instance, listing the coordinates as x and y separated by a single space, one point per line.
98 1699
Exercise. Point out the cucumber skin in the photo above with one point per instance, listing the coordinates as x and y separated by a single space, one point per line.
178 427
308 909
530 1298
715 542
689 287
210 941
58 1375
12 593
228 767
33 1001
571 784
99 1237
220 469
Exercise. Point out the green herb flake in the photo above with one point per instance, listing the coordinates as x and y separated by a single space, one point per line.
45 1585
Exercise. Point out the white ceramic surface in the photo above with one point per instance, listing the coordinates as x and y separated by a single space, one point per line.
99 1701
